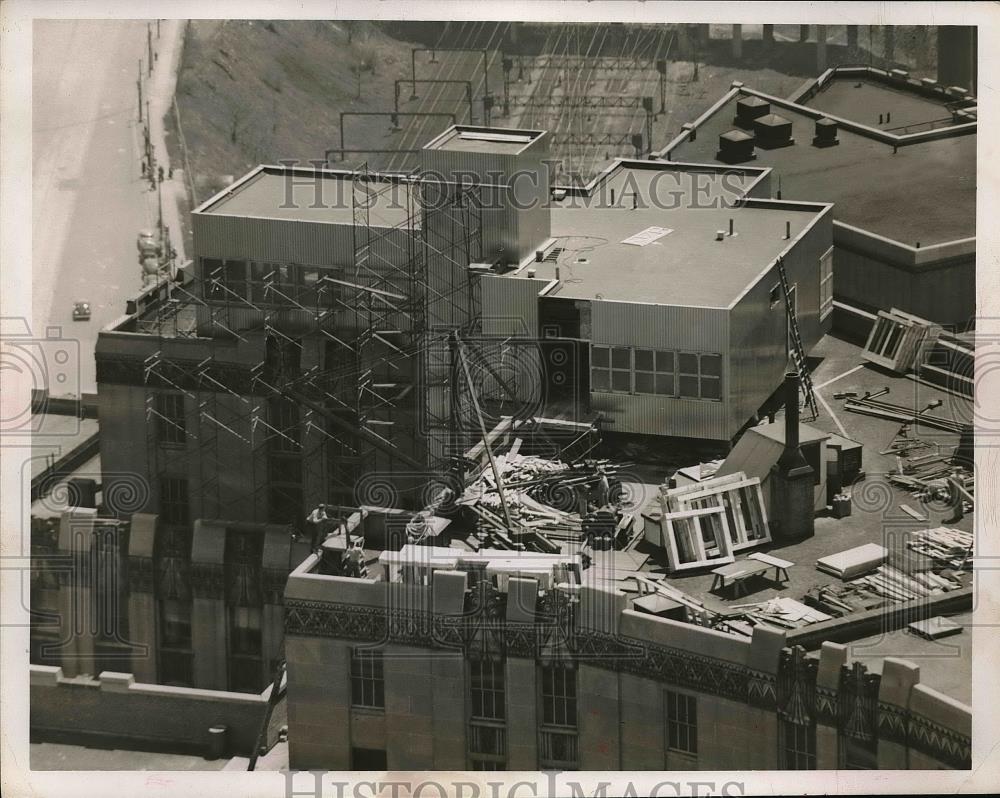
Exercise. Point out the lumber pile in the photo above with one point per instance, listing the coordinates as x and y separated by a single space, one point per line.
895 585
781 612
840 600
543 497
950 548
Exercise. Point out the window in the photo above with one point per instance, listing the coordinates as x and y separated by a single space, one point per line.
559 695
682 723
826 284
885 337
654 372
174 500
244 627
367 681
170 426
236 277
699 376
487 686
488 744
260 275
175 643
689 375
175 624
225 280
213 277
611 369
798 746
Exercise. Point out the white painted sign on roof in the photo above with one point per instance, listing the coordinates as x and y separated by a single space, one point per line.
647 236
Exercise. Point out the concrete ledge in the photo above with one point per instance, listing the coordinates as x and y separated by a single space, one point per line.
902 255
862 624
939 708
183 693
832 657
44 675
766 646
899 676
686 637
116 682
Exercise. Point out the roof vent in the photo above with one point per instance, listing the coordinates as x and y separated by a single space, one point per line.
826 133
773 131
748 109
735 146
720 235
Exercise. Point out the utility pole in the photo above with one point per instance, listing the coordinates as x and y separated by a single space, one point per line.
138 86
149 47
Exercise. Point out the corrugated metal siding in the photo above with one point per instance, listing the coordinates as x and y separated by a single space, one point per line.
510 306
657 415
946 295
513 226
627 323
691 329
758 351
290 241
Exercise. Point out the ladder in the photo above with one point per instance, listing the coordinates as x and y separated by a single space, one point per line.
797 350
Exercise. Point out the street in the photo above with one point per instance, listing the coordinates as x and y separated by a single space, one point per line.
89 197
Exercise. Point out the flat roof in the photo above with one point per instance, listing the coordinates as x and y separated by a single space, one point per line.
309 195
468 138
863 99
945 664
923 192
684 266
664 185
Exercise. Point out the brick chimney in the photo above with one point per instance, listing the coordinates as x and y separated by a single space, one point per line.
792 478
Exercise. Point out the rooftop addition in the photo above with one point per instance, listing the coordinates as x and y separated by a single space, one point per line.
309 195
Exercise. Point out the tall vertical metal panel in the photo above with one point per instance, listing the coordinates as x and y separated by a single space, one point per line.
510 306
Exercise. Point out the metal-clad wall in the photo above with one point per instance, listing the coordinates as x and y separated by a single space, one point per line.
679 328
532 193
516 213
510 306
510 310
758 350
283 240
946 295
499 218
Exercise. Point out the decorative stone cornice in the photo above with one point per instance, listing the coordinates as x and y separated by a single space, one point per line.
483 631
892 723
944 744
207 580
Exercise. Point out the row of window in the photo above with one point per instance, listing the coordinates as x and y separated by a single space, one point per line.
272 283
659 372
558 692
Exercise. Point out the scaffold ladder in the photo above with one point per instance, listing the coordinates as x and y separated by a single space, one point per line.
797 349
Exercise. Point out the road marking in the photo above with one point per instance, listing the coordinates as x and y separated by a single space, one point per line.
841 376
833 415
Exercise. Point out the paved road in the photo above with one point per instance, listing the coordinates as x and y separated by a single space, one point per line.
88 196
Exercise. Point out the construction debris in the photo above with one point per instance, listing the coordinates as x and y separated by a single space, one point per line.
912 513
934 628
547 500
868 405
840 600
949 548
